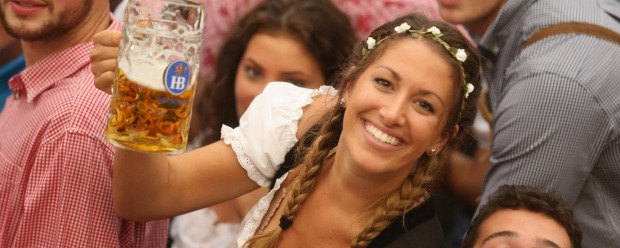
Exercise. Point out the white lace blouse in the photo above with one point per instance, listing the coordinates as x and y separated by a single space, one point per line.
266 132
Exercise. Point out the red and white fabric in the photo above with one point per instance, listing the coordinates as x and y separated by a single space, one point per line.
55 164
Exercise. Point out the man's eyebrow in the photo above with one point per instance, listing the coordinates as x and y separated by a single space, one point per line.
508 234
547 243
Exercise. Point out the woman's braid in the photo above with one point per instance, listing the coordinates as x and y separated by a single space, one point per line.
304 182
320 150
410 194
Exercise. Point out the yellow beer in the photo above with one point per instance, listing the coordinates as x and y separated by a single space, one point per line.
158 62
144 116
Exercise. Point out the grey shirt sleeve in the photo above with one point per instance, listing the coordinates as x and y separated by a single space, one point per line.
548 132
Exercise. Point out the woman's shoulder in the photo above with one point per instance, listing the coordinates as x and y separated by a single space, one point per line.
302 105
287 100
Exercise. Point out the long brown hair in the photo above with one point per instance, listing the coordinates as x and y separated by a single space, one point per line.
415 188
318 25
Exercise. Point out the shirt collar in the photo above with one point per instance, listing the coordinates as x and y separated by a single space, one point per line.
45 73
506 23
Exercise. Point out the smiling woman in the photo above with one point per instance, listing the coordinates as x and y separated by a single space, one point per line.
372 162
408 109
364 169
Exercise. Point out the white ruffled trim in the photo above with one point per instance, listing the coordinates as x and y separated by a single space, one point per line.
324 90
201 228
253 219
231 137
297 112
294 111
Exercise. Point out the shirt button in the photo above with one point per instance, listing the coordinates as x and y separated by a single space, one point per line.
16 95
495 50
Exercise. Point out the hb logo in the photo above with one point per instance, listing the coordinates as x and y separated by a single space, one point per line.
176 77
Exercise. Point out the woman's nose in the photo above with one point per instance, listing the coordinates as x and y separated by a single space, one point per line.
393 112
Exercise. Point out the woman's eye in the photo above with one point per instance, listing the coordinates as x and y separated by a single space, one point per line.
251 72
426 106
382 82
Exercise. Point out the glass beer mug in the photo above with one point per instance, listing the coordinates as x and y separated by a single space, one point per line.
156 75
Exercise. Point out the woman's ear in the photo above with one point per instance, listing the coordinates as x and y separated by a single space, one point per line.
344 97
348 84
455 131
440 144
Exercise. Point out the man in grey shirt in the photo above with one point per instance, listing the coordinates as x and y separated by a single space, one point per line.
555 103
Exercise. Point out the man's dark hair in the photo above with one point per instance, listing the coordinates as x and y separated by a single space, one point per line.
526 198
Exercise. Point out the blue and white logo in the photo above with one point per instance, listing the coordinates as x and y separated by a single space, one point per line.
176 77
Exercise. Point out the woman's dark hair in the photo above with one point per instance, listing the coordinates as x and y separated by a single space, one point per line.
318 25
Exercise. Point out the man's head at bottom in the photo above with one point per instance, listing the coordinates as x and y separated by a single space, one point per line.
523 217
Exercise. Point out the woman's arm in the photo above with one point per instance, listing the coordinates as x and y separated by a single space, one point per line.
153 186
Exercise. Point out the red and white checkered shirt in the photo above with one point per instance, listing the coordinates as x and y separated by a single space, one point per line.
55 164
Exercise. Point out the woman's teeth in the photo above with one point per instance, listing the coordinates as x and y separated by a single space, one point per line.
381 136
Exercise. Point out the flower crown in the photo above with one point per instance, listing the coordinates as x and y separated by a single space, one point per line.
433 33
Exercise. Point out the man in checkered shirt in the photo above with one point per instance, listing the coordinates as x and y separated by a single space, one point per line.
55 164
555 103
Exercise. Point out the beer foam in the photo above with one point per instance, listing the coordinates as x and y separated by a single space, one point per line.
145 72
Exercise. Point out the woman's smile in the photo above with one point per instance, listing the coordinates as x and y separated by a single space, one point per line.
380 135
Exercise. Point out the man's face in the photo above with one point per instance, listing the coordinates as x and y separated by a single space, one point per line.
34 20
521 229
476 14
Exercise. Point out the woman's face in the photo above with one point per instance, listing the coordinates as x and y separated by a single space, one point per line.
273 56
396 110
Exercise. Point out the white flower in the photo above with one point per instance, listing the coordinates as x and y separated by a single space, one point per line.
460 55
371 43
469 89
434 30
402 28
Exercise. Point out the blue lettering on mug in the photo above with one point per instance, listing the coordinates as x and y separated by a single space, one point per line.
176 77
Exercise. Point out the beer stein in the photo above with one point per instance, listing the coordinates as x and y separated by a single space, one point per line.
156 75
